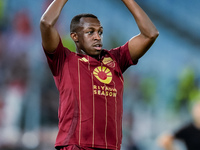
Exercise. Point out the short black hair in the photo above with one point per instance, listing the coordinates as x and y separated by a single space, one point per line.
76 20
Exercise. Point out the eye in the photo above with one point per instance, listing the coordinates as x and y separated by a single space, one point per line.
90 32
100 32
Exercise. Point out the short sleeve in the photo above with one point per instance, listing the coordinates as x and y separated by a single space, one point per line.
57 58
122 56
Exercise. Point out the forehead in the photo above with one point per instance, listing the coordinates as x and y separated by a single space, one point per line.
89 22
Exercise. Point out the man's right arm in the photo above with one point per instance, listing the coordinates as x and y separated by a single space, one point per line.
50 36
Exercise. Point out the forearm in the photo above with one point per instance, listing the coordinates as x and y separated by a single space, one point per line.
145 25
52 13
50 36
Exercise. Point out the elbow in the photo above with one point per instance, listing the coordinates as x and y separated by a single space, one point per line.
151 35
154 35
44 24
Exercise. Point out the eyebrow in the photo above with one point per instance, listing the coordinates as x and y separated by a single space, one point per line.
93 27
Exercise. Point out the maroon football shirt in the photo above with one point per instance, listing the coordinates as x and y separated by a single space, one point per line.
91 91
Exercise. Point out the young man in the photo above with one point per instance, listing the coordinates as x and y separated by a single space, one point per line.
90 82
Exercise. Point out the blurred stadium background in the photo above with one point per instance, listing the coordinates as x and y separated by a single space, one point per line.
158 90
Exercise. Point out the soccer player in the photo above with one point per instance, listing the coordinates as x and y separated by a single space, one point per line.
90 82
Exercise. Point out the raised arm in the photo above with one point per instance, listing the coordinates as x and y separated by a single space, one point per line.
50 36
139 44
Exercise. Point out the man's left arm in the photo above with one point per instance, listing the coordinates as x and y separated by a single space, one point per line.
139 44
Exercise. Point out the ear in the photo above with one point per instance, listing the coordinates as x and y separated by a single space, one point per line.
74 36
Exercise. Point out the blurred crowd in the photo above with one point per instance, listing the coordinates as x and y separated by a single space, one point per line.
26 95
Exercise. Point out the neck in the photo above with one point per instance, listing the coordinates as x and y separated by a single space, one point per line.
80 51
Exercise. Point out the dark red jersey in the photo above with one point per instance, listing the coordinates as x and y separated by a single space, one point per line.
91 91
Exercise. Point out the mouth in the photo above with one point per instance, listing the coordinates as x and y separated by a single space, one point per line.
98 46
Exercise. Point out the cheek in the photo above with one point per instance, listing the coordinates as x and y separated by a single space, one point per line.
87 42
